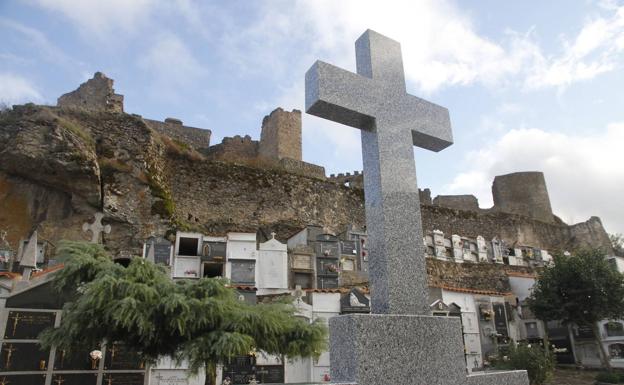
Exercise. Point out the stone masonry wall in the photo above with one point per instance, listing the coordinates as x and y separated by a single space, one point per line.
197 138
281 135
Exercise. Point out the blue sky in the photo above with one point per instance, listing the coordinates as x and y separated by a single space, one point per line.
530 85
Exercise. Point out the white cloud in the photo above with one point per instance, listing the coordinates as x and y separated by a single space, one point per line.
15 89
441 45
584 174
171 63
102 17
595 50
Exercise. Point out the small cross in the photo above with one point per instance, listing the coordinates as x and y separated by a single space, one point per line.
96 228
59 380
391 123
16 319
10 349
273 234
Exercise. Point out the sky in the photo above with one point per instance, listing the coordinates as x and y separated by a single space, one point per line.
530 85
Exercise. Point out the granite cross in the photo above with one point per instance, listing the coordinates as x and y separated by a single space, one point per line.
391 122
96 228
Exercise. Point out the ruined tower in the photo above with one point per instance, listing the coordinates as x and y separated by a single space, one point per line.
96 94
523 193
281 135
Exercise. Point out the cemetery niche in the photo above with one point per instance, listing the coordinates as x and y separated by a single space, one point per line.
370 349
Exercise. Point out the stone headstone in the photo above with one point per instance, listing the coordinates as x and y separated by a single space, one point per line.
398 343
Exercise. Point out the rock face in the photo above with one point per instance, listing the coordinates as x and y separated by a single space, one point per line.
60 166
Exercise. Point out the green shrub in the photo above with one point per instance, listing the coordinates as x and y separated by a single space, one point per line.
537 361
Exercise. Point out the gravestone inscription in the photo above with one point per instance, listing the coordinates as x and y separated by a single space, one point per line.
17 357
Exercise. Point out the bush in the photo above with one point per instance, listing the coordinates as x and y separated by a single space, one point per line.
610 377
537 361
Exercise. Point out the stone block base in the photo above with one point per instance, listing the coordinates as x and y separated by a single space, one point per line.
375 349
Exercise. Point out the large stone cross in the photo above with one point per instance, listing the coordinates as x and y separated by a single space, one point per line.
391 122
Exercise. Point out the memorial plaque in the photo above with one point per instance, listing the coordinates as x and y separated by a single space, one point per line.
270 374
500 319
26 325
302 262
25 379
240 369
327 282
214 251
74 379
327 266
162 253
119 357
75 359
123 379
171 377
244 272
23 357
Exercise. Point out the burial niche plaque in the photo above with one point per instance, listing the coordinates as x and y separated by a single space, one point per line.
25 379
17 357
75 359
123 379
26 325
74 379
119 357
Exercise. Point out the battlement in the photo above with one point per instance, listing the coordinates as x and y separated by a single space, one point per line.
96 94
197 138
522 193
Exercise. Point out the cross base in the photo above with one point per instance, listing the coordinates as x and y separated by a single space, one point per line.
378 349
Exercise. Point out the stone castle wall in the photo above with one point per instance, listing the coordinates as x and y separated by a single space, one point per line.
94 94
235 148
197 138
460 202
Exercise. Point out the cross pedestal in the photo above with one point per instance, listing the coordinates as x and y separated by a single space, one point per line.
399 343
